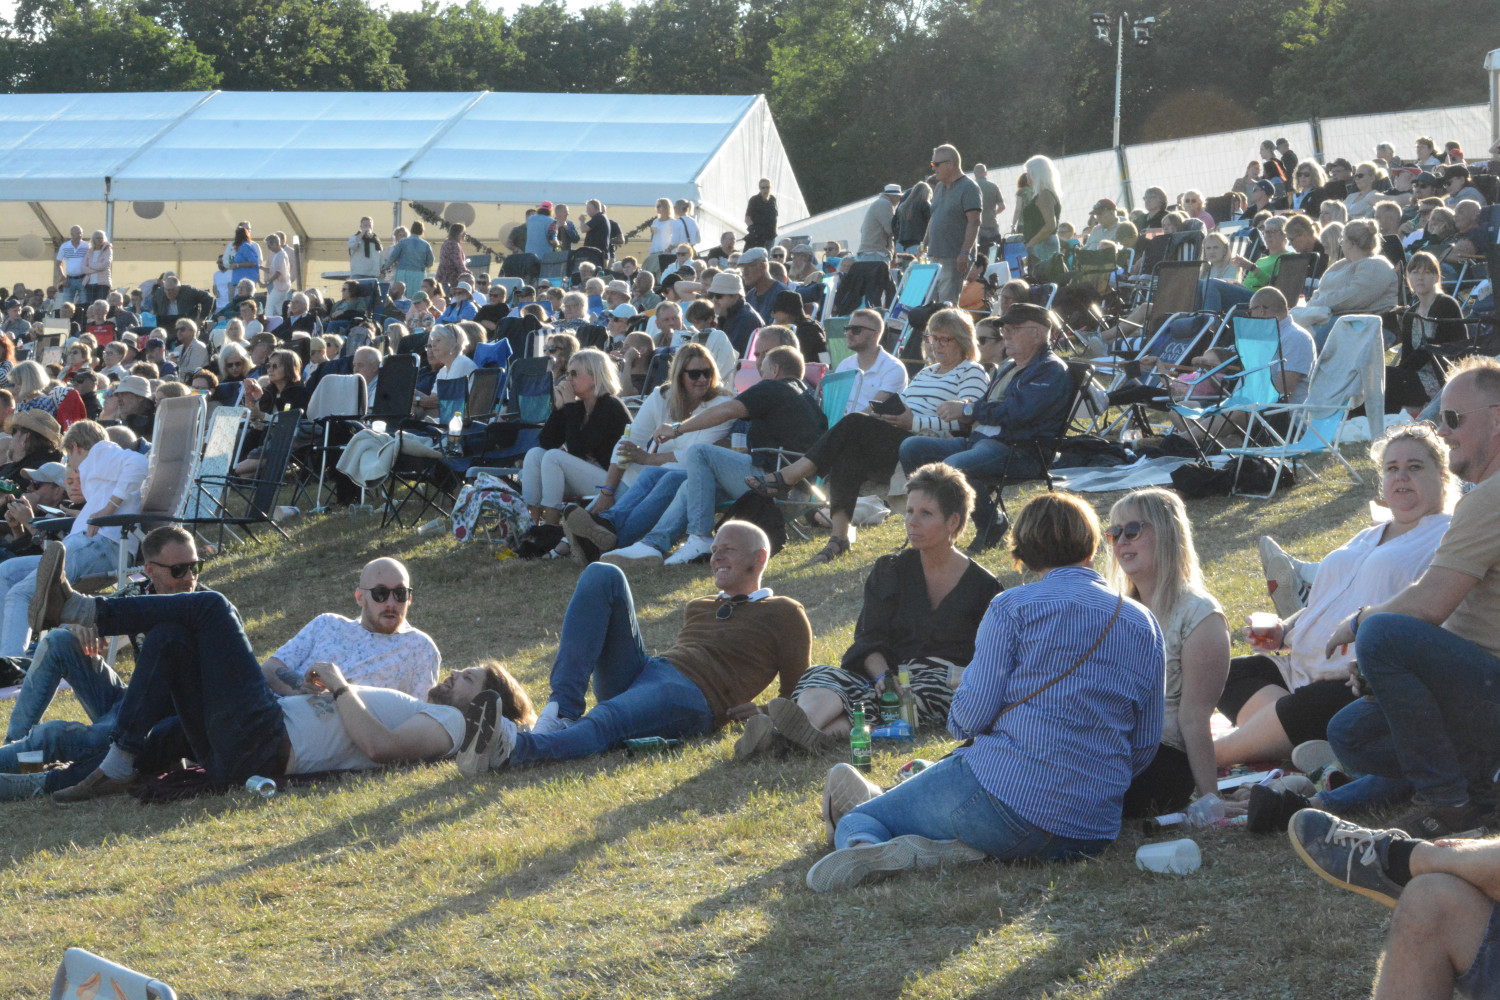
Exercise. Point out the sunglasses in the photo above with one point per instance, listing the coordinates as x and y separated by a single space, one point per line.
939 163
697 374
858 329
382 593
180 570
1453 419
726 610
1130 532
988 340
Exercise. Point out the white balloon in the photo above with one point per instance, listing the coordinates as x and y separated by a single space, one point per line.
32 246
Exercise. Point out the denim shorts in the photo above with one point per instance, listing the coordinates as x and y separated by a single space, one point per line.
1482 981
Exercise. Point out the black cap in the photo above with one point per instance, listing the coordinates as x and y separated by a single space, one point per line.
790 303
12 303
1026 312
1456 170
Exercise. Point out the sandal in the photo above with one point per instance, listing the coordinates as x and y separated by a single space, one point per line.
773 488
835 548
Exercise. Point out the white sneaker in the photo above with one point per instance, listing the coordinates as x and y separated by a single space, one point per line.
847 868
639 554
550 722
696 548
1289 581
503 743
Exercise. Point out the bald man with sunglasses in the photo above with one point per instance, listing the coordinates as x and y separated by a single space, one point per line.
379 649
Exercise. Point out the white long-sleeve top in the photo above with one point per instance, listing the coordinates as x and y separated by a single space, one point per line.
109 471
653 413
928 388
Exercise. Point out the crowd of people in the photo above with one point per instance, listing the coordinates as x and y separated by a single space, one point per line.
691 379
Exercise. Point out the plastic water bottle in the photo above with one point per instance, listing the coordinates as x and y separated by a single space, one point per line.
264 787
859 742
455 434
908 700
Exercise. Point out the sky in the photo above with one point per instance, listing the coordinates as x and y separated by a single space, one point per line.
7 7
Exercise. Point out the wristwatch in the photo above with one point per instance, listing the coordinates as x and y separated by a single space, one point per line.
968 408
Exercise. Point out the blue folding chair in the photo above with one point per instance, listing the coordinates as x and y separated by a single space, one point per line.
1257 345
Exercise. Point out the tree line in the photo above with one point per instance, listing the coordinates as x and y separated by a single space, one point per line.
861 89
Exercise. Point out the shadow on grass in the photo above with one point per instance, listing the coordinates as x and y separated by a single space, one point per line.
709 792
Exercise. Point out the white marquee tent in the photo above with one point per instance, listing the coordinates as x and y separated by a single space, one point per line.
169 174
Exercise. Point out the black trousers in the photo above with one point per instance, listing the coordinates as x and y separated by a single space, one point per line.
859 447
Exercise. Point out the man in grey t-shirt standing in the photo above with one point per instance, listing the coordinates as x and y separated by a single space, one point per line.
991 204
954 224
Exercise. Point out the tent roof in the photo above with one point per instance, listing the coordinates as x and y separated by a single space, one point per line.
492 147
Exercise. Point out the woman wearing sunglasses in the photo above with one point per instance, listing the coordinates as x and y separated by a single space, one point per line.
622 516
577 441
1286 693
1152 559
867 446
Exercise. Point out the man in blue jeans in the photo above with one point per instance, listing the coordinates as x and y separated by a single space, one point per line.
1028 398
71 654
730 648
1431 654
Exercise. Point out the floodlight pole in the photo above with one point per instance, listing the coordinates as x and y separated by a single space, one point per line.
1119 73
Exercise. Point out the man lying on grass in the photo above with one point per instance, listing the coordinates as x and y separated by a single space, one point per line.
196 663
729 649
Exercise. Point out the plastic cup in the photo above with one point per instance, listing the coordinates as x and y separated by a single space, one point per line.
1263 621
1176 857
30 761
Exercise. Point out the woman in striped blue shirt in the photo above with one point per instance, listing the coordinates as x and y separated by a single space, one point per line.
866 446
1062 704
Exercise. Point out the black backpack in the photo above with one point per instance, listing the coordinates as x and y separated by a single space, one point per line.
761 512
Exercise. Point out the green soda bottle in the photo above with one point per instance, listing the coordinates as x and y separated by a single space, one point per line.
859 741
650 744
908 702
890 700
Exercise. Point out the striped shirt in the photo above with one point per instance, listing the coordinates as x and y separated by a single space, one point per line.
965 380
1063 759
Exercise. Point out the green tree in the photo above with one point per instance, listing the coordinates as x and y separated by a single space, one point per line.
288 44
668 54
108 47
455 47
560 52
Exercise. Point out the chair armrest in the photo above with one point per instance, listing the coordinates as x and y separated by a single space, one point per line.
125 520
47 524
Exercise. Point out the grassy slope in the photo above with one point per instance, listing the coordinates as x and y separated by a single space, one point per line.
664 877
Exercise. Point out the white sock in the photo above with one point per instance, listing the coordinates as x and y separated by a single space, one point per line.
118 764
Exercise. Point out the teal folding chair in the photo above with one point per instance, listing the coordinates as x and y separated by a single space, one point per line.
1257 347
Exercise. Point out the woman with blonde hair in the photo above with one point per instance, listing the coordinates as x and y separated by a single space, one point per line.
867 446
1192 204
1362 282
1361 204
578 439
33 389
234 363
1289 690
662 229
1041 214
624 514
1152 560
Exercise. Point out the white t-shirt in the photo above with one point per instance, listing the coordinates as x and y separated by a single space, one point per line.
321 743
718 346
72 256
281 264
885 375
221 288
110 471
462 367
405 661
661 235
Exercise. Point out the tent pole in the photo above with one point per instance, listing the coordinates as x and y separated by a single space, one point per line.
109 213
395 215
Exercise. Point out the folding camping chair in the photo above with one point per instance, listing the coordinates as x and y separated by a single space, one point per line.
84 974
1257 346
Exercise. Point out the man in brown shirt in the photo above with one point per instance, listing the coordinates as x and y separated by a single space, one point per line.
731 646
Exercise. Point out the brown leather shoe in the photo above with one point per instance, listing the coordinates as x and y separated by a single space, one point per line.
52 590
96 786
791 722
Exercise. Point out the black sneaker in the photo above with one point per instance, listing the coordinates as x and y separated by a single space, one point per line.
1272 809
987 536
1347 855
1429 822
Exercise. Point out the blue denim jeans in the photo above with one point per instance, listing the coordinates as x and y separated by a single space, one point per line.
1218 295
637 510
1441 698
1361 739
713 473
60 657
196 663
981 459
946 802
86 557
637 695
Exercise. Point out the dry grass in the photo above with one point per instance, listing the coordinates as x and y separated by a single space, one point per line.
677 876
